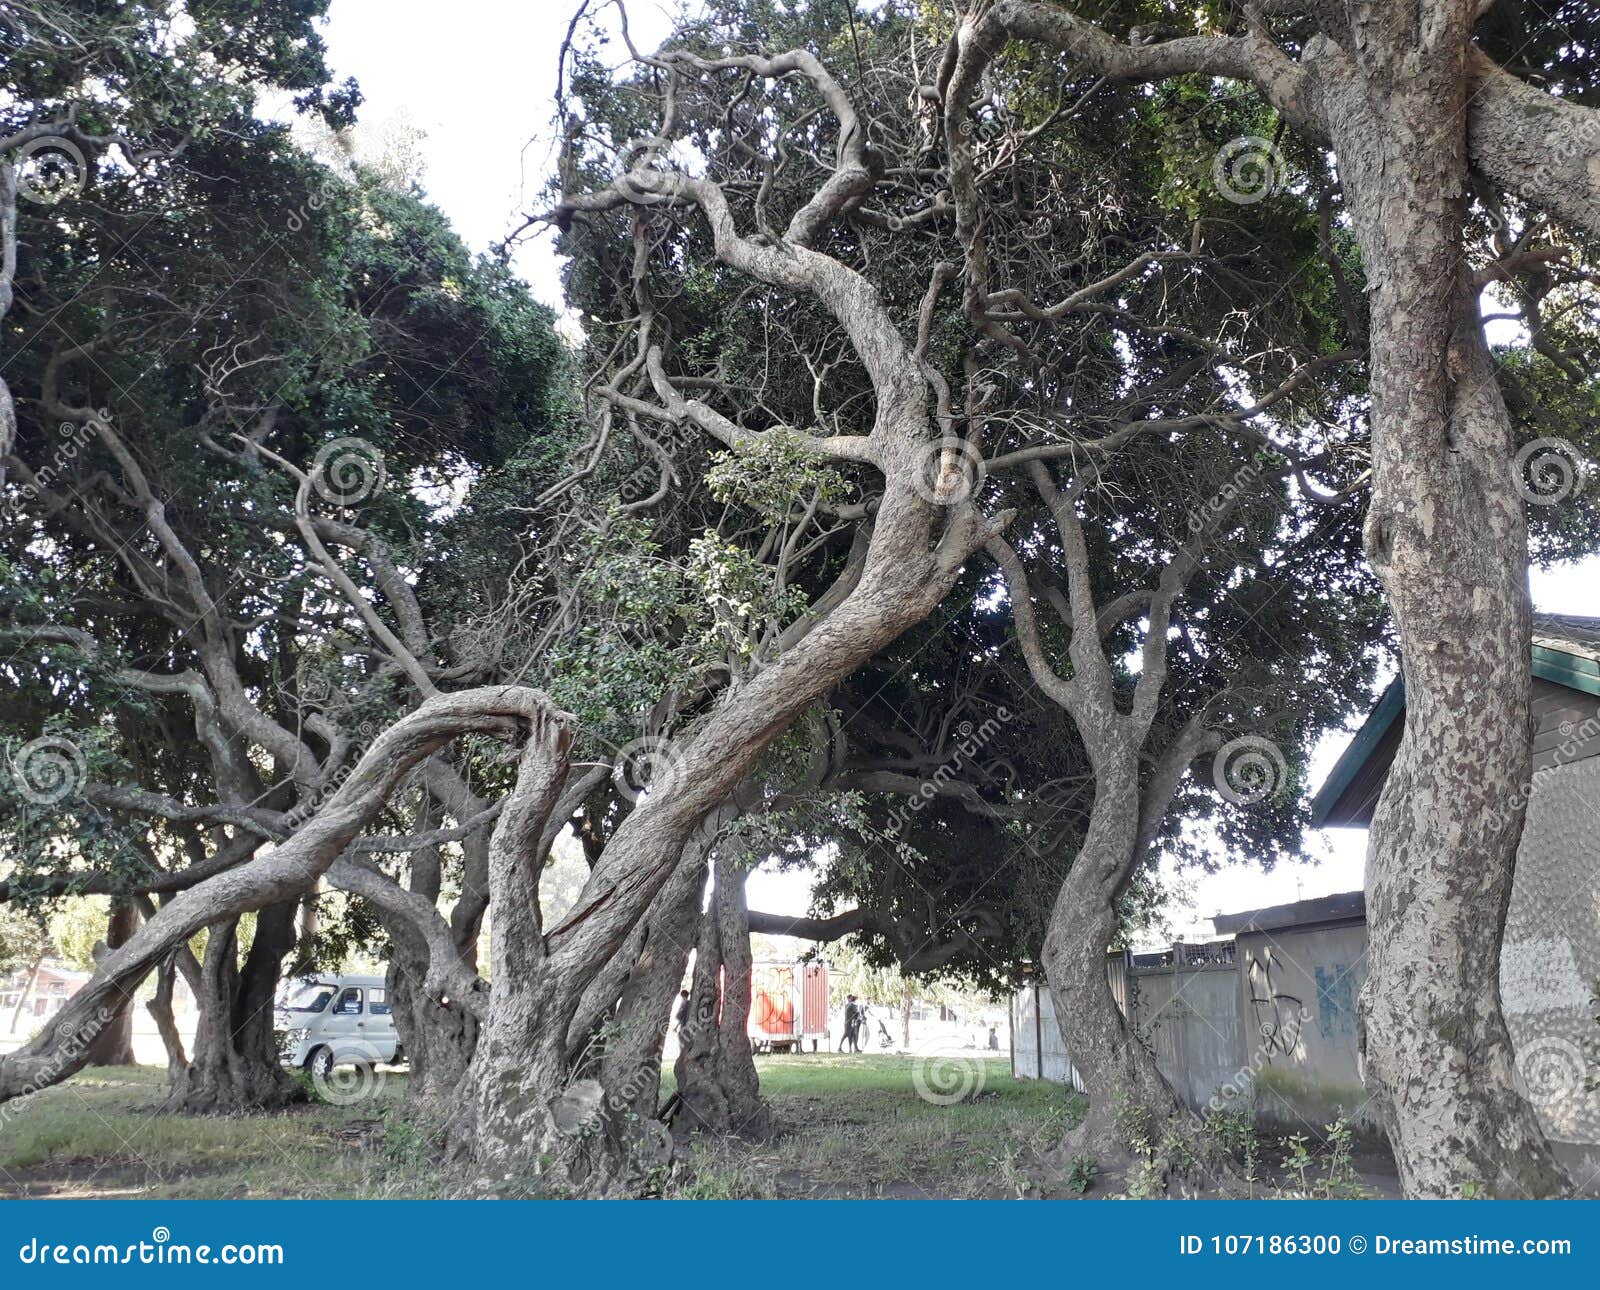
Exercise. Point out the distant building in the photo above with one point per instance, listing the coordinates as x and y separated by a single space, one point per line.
41 994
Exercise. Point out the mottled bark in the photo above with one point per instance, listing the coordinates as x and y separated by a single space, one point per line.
1447 535
630 1069
1406 101
436 1038
1113 1064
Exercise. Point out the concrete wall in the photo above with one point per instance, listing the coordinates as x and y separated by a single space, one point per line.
1037 1051
1190 1017
1297 993
1274 1030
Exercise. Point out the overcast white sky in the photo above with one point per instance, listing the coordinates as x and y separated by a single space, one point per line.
480 88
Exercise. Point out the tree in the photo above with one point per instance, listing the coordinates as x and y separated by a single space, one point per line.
331 302
1410 104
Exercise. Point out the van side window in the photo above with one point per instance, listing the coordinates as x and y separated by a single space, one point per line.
378 1002
349 1004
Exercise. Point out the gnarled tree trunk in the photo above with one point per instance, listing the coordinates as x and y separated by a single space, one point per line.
236 1063
630 1068
160 1009
286 872
1113 1063
719 1088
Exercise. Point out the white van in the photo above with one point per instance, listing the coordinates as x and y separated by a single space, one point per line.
330 1021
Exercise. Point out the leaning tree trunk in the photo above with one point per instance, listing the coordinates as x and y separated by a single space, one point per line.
1446 534
235 1066
113 1046
1113 1063
630 1068
286 872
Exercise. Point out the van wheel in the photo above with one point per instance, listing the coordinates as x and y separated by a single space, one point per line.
320 1063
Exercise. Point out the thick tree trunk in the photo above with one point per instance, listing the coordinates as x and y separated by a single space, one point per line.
748 1115
530 1128
236 1060
437 1040
113 1046
1446 534
718 1087
1114 1065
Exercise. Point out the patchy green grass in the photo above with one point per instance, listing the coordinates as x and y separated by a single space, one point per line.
102 1134
860 1126
847 1126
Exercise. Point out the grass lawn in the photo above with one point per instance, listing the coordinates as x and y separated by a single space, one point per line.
848 1126
101 1134
856 1126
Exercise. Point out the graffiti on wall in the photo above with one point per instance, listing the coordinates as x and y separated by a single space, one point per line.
1278 1016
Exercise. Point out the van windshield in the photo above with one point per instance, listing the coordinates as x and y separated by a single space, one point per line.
311 997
